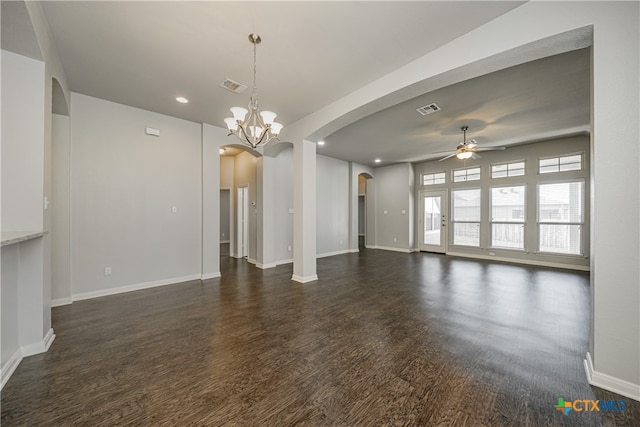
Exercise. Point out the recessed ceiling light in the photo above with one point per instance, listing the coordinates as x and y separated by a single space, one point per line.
182 100
320 142
377 160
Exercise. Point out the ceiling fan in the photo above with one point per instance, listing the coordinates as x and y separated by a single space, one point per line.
468 148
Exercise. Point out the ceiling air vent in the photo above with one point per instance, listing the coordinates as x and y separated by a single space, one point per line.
428 109
232 86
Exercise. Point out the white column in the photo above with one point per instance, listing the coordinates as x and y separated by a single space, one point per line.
266 212
304 211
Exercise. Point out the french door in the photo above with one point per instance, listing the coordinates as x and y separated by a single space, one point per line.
433 221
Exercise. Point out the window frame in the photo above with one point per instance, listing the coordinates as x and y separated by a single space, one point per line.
466 175
559 157
507 164
434 177
580 224
453 222
522 223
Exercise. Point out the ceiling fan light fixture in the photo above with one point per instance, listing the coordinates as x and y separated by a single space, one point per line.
464 155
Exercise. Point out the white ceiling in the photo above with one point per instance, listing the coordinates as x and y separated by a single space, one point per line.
144 54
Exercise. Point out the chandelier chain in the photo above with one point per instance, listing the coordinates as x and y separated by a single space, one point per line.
255 70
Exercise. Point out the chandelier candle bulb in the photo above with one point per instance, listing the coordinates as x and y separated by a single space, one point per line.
268 117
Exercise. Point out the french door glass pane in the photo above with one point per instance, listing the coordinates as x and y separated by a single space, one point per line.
432 214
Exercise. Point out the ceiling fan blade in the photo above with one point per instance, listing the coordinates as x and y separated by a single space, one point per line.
448 157
475 156
490 148
445 151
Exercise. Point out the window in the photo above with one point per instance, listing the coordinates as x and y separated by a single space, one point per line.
463 175
561 217
433 178
507 169
571 162
466 217
507 217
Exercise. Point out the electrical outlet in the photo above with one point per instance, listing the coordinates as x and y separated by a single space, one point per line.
107 271
174 209
492 253
395 239
289 248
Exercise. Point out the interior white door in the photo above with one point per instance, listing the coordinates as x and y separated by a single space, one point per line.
433 221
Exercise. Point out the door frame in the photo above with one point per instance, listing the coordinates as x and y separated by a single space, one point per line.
242 236
444 229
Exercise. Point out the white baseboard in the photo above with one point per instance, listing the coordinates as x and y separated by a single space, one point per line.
284 261
135 287
387 248
210 276
225 241
61 301
265 266
305 279
38 347
522 261
354 251
251 261
9 368
607 382
28 350
328 254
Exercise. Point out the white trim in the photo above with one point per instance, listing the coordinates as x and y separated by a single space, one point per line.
134 287
265 266
328 254
61 301
9 368
38 347
610 383
370 247
522 261
284 261
306 279
251 261
225 241
387 248
210 276
354 251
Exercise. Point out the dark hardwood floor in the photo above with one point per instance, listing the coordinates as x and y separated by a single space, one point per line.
382 338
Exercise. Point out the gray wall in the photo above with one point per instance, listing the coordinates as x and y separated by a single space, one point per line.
530 153
394 207
284 203
124 185
332 220
60 217
225 215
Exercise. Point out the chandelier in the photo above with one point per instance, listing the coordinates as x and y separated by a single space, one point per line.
259 127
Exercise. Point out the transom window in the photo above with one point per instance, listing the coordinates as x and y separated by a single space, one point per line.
507 169
433 178
572 162
463 175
